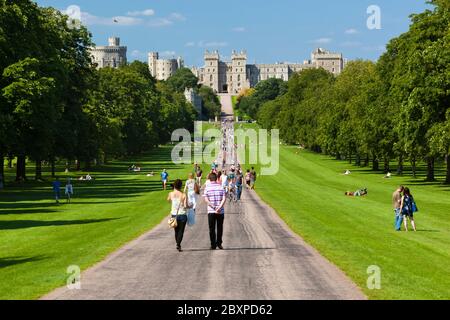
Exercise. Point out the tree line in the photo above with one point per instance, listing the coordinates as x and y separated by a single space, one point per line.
55 104
397 108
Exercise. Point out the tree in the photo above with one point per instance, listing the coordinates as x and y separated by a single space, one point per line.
420 80
211 106
183 78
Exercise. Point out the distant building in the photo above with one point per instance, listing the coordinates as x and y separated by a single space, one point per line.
232 77
194 99
163 69
112 55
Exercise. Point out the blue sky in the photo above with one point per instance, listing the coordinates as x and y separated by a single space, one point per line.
270 30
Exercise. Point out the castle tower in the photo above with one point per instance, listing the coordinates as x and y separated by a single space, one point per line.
238 72
114 42
211 70
153 63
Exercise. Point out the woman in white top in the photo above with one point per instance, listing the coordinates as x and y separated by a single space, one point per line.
69 190
179 205
190 189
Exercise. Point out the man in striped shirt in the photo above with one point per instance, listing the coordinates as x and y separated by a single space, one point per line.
215 200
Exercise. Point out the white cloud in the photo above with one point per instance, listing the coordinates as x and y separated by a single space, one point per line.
133 18
239 29
139 54
351 31
322 41
89 20
177 17
160 22
146 13
190 44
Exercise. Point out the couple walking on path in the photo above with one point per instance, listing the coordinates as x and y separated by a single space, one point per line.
404 208
184 205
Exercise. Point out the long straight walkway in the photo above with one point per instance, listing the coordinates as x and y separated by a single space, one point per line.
263 259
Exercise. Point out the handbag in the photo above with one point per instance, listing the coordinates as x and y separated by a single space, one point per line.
173 221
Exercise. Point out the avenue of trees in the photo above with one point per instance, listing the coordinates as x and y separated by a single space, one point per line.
55 105
372 113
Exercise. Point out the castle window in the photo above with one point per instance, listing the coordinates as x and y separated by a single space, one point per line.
239 77
210 78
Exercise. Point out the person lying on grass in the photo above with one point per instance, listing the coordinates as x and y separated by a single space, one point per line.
357 193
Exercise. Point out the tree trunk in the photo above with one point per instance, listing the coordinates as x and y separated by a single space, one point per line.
375 163
52 164
350 157
21 168
430 169
38 174
87 166
78 165
10 160
358 160
400 165
447 159
2 168
366 161
413 163
387 167
338 156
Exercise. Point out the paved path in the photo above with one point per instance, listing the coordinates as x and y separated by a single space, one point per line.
262 259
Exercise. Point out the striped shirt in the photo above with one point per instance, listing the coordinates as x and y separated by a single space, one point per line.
215 194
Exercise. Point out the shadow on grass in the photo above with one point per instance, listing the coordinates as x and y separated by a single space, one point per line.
24 224
26 211
11 261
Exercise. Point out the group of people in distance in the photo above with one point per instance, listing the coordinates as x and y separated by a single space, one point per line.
68 190
218 185
404 207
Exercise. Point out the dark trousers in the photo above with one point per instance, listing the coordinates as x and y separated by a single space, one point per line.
213 220
179 230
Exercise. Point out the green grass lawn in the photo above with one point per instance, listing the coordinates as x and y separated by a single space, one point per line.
355 233
39 239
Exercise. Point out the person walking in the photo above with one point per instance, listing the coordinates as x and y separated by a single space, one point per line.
164 178
57 189
248 179
407 208
190 190
69 190
396 204
239 185
215 200
179 205
252 178
199 175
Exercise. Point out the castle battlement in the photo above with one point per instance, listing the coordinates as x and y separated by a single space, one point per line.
237 75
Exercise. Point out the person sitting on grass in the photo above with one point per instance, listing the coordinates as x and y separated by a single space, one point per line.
388 175
357 193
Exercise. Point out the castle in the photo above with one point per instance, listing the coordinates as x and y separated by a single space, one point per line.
163 69
112 55
232 77
223 77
